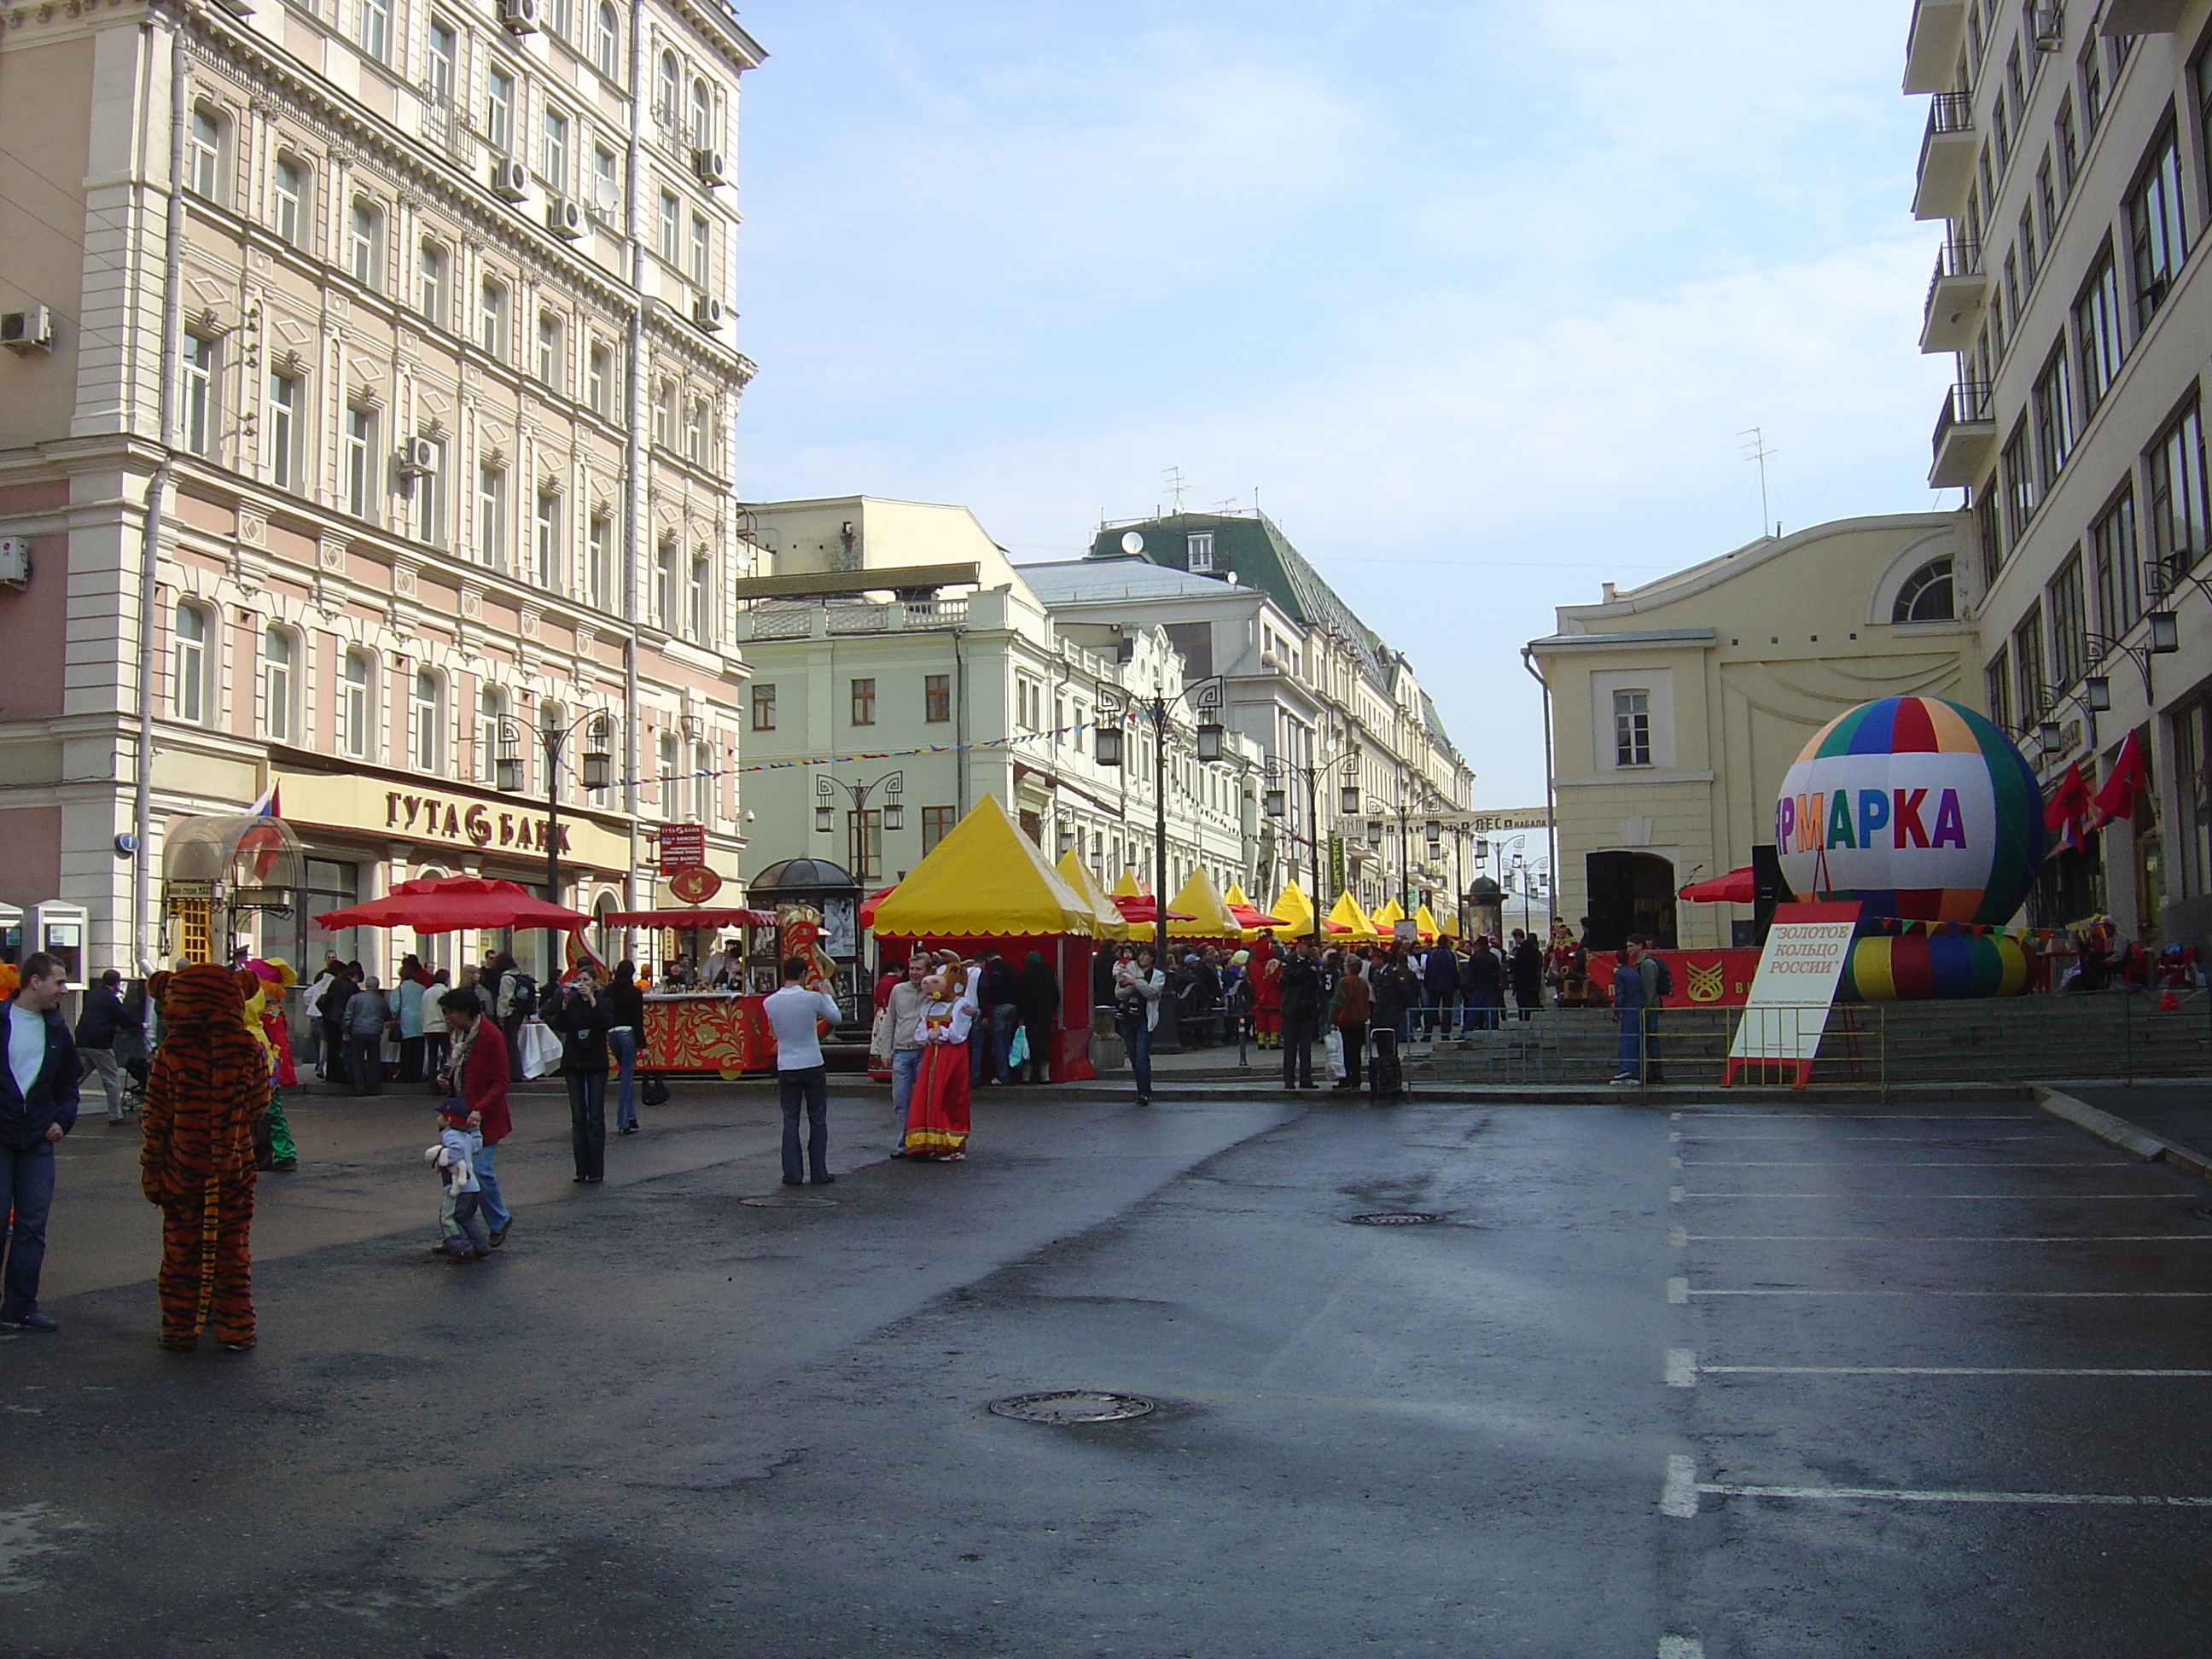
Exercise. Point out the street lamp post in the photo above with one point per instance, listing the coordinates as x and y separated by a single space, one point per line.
1275 803
825 818
597 774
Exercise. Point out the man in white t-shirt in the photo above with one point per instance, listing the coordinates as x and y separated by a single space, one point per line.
800 1075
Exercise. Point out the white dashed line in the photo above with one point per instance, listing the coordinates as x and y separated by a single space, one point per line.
2072 1296
1886 1163
1929 1370
1936 1238
1682 1368
1679 1496
1678 1291
2165 1197
1680 1647
1674 1194
1677 1238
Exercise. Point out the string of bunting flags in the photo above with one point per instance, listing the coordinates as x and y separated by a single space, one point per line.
1015 741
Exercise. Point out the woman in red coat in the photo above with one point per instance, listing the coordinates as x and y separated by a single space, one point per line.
1266 970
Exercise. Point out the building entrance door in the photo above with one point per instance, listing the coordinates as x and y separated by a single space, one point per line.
1630 893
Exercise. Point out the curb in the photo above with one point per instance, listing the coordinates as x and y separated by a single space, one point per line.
2118 1132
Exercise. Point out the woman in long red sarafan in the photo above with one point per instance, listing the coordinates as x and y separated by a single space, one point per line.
937 1120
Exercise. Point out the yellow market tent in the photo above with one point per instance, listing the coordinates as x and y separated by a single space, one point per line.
1110 923
1130 887
986 878
1348 915
1425 924
1210 915
1386 916
1235 895
1296 910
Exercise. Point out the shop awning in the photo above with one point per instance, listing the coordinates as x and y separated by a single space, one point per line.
1734 888
1110 925
446 904
1211 917
724 916
985 879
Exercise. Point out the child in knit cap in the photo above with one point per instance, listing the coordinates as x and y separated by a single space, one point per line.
463 1238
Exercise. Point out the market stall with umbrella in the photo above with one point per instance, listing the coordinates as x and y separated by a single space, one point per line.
1249 918
1107 914
1346 917
1206 915
986 883
448 904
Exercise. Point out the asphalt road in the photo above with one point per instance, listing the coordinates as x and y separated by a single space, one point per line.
688 1414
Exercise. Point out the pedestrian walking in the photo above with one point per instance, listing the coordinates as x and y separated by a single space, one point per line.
795 1013
1396 988
1628 1009
37 1107
626 1012
580 1017
936 1122
1349 1010
514 998
1485 988
434 1025
902 1011
101 1022
367 1014
311 1005
330 1012
1037 1000
1524 968
476 1073
1658 984
407 1012
1301 1009
207 1089
987 1059
1138 987
462 1236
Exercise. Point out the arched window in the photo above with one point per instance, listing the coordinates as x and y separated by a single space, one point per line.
667 89
204 152
434 292
289 209
698 600
365 242
1926 595
606 43
663 585
695 430
426 721
703 116
357 706
280 675
188 697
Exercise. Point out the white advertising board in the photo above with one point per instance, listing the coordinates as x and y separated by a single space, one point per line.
1787 1010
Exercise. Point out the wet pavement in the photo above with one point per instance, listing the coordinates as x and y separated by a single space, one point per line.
1604 1404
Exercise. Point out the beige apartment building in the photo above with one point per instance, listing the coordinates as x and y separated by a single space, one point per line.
2066 154
366 411
1675 707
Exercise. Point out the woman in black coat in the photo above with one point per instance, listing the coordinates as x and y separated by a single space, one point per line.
582 1020
1037 1004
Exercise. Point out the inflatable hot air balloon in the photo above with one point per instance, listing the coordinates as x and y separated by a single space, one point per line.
1917 808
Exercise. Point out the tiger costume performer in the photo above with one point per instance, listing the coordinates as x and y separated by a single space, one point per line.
208 1089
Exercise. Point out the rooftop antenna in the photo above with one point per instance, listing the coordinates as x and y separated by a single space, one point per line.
1757 452
1175 483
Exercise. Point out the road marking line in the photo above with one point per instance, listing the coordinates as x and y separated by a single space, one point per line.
1909 1495
2008 1197
1682 1368
1672 1135
1679 1496
1679 1239
1680 1647
2063 1295
1933 1238
1674 1194
1932 1370
1887 1163
1678 1291
1823 1140
1674 1162
1877 1117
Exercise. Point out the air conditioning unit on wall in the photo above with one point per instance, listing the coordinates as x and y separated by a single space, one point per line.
710 166
418 457
30 330
565 218
707 312
510 181
518 16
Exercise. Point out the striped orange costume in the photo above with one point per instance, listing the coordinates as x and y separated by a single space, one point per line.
209 1085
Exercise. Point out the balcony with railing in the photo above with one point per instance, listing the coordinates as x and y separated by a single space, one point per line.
1966 437
1947 157
1932 52
1958 294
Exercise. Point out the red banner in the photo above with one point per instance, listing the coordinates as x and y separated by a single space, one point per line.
1702 979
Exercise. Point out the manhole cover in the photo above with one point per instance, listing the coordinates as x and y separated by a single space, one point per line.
1395 1218
1073 1406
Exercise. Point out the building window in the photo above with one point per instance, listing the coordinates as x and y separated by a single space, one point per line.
2157 238
1926 595
549 348
548 540
2069 146
433 270
864 843
665 93
491 724
376 28
699 602
695 431
1199 549
290 192
936 824
199 399
426 720
703 116
700 244
2173 475
2027 667
864 703
188 683
1989 536
203 153
606 43
278 665
491 515
2096 331
671 214
2193 766
606 193
671 807
2069 625
491 308
499 110
2027 266
444 59
664 586
281 439
562 14
763 707
702 784
2093 86
937 697
664 414
2018 473
595 540
365 232
2112 561
599 379
355 738
2054 421
429 490
1996 686
556 156
1631 728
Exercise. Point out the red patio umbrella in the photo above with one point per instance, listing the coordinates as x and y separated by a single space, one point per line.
1248 917
868 904
444 904
1734 888
1140 908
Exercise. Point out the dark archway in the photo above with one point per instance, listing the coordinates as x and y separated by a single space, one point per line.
1630 893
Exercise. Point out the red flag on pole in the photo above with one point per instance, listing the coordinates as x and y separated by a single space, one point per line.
2130 772
2069 804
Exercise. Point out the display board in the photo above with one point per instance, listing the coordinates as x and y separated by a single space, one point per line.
1787 1010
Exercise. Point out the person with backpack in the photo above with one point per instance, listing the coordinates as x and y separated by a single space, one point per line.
1658 983
345 979
514 1000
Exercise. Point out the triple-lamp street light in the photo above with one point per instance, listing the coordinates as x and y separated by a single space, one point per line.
598 773
1275 802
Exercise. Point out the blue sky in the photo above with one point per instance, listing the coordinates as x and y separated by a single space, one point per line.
1477 296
